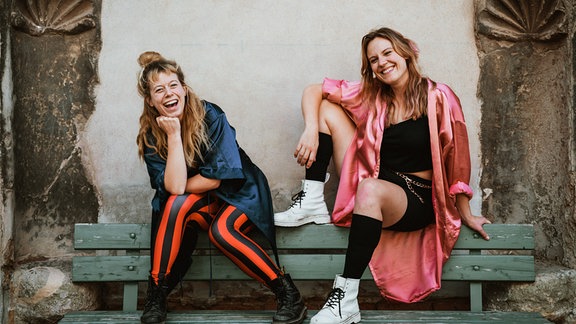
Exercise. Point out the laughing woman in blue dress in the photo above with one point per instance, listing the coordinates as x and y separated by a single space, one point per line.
203 181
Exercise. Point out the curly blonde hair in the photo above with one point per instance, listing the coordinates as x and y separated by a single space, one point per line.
373 89
193 132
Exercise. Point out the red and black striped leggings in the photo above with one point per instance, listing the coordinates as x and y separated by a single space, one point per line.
227 228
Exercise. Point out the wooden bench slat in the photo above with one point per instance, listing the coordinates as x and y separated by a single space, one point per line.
137 236
489 268
300 267
111 236
257 317
502 237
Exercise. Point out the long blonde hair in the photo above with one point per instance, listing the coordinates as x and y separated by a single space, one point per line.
373 89
193 128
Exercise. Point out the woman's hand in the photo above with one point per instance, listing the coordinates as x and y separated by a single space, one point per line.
307 148
475 223
170 125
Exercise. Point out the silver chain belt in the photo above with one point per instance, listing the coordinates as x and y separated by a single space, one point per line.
410 182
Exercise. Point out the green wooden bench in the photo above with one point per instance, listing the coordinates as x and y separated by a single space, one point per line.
312 252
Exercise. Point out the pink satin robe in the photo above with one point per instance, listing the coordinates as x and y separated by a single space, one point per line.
407 266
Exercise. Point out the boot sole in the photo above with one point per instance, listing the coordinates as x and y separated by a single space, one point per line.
316 219
299 320
354 319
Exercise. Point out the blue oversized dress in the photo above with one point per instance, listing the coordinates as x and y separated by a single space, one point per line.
243 184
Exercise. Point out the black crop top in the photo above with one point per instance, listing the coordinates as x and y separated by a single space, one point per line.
406 146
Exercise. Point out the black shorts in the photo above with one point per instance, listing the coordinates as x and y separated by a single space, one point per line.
419 212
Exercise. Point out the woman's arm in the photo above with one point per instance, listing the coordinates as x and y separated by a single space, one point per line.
176 172
474 222
308 144
175 175
199 184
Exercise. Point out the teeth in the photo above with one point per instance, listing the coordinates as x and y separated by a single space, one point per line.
171 103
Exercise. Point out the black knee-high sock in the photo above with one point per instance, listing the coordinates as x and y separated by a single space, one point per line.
318 169
362 240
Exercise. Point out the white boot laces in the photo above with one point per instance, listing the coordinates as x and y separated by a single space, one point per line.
297 199
336 295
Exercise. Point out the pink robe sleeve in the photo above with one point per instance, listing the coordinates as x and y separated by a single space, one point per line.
346 94
454 138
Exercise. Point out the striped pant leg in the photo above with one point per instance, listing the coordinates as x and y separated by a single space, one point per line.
228 233
182 215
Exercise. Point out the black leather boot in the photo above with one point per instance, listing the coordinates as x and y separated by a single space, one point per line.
155 308
291 308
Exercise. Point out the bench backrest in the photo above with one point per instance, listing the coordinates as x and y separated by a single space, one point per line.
312 252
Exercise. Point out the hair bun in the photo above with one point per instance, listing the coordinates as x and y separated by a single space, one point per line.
149 57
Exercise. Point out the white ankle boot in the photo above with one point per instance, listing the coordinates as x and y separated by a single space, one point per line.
341 307
307 206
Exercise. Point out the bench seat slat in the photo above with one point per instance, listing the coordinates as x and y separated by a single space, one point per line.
300 267
257 317
114 236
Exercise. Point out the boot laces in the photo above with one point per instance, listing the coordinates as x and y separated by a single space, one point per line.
336 295
297 198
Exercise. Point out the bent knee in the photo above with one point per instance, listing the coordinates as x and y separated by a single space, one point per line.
330 111
215 233
371 191
368 188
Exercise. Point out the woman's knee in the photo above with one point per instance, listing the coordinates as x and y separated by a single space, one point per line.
222 229
333 118
367 192
331 113
373 191
214 233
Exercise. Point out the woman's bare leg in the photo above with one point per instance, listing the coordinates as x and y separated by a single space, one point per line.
381 200
336 132
377 204
334 121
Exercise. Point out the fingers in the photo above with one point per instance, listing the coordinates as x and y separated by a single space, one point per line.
304 156
482 232
170 125
311 159
484 235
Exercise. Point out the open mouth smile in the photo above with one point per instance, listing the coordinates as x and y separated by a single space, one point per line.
171 104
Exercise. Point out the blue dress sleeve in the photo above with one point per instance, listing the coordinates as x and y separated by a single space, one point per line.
222 161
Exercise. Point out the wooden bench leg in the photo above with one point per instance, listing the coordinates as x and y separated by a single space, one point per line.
130 296
476 296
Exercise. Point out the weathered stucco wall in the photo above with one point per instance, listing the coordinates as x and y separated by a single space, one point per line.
254 59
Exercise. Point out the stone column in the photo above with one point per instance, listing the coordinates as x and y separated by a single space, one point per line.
527 119
527 139
55 47
6 159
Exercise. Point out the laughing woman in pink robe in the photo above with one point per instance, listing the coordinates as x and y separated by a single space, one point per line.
399 143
